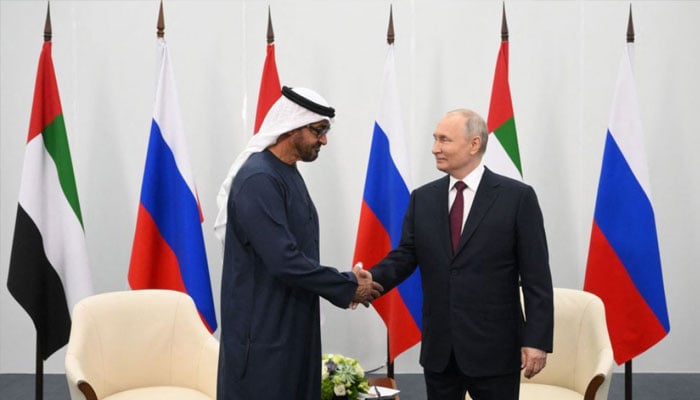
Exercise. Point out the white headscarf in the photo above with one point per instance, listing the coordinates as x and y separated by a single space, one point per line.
284 116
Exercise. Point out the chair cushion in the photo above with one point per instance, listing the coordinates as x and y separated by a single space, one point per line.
535 391
159 393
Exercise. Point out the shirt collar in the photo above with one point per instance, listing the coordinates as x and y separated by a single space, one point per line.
472 179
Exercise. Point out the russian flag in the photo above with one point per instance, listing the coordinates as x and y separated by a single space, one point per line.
168 250
624 266
386 197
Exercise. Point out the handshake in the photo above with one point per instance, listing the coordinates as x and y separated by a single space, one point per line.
367 289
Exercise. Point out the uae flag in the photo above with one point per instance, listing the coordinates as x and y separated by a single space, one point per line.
48 263
270 92
502 153
270 87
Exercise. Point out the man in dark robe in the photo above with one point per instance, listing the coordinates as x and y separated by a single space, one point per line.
272 278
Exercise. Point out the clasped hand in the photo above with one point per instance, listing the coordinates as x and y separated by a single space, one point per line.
367 289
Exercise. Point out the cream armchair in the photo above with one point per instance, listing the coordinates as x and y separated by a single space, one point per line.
140 344
580 367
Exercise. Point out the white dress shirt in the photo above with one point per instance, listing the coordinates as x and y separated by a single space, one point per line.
472 181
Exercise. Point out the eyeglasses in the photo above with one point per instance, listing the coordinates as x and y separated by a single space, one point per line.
319 131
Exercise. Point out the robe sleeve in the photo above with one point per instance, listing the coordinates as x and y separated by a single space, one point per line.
262 222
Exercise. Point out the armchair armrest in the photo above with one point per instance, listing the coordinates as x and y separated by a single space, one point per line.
77 381
87 390
208 366
601 375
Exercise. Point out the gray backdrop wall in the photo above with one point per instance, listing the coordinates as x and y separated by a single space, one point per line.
564 57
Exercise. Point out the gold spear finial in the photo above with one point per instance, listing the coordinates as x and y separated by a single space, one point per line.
390 31
270 32
504 25
630 28
160 33
47 25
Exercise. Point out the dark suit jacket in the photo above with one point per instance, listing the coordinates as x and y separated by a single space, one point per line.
471 300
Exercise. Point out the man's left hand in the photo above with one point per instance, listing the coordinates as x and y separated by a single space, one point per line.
533 360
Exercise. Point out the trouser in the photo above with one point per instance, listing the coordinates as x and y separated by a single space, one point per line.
452 384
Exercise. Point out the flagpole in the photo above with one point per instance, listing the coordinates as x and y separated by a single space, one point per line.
390 41
270 88
628 364
39 372
628 380
39 369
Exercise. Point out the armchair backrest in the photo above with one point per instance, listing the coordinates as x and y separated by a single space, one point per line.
141 338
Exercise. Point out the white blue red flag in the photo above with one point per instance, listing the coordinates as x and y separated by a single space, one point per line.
384 203
624 265
168 250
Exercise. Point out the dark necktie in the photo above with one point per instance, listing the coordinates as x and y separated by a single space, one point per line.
456 213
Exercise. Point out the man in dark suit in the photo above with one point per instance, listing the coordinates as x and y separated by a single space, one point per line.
475 337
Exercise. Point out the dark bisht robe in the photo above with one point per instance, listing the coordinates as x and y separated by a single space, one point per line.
270 287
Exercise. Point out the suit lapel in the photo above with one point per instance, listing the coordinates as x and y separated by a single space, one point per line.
486 194
442 223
